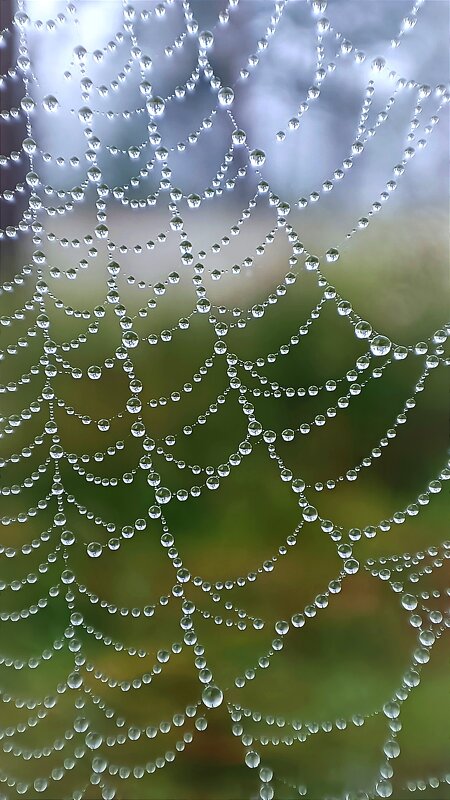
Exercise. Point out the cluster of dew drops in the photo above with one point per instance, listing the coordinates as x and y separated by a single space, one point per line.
402 572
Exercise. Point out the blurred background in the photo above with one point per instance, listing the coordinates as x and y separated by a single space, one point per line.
354 651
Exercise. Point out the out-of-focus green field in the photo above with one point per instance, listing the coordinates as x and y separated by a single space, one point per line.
347 660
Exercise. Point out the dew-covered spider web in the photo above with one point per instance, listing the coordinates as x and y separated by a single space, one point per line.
251 353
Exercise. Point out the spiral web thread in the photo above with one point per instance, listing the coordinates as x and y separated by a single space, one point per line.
81 742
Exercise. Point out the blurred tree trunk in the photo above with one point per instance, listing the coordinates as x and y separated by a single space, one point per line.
12 133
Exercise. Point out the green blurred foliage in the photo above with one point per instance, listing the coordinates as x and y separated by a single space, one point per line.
351 657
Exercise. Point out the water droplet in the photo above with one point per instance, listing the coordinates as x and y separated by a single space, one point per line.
56 451
155 106
238 136
29 146
282 627
384 788
312 263
252 759
74 681
94 174
380 345
21 19
409 602
226 96
27 103
363 330
391 748
163 495
212 696
85 115
94 549
257 158
94 372
93 740
310 514
346 47
194 200
206 40
351 566
50 103
319 6
332 254
99 764
130 339
391 709
378 64
266 774
80 53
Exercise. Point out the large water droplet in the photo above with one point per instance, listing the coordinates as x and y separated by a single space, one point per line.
252 759
93 740
266 774
206 40
312 263
226 96
50 103
332 254
212 696
380 345
99 764
94 549
238 136
28 104
163 495
363 330
257 158
94 372
155 106
378 64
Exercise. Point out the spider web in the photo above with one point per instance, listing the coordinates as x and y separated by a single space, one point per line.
128 321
